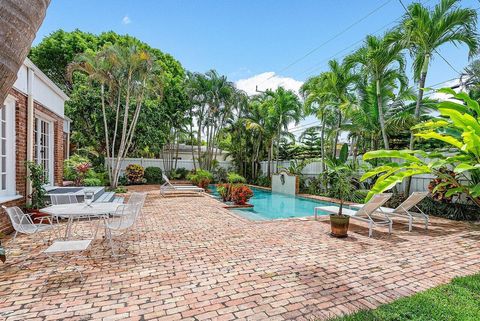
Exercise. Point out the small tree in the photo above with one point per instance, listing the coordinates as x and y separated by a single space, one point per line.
37 177
341 184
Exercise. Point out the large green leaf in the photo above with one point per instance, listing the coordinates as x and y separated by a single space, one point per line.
447 139
343 154
461 120
454 191
381 185
463 167
452 105
402 154
375 171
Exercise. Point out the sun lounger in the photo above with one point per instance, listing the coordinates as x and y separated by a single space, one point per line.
167 186
365 213
404 209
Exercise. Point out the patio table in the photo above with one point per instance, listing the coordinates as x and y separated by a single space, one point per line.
75 210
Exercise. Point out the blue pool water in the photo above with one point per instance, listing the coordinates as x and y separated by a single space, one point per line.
270 206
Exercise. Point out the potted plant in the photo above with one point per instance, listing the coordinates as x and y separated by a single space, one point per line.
3 256
37 197
341 186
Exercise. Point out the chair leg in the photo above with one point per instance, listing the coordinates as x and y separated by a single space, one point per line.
370 226
410 223
390 227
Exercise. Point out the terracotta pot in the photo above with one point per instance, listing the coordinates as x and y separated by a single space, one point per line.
339 225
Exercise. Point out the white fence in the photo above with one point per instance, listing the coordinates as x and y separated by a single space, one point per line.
153 162
419 182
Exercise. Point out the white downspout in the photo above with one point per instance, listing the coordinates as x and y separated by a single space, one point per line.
30 125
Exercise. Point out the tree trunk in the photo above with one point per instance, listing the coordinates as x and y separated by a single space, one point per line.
19 22
380 116
337 133
421 86
322 143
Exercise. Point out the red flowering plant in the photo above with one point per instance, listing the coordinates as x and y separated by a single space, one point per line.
225 191
241 194
81 170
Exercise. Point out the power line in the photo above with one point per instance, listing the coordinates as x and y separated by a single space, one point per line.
330 39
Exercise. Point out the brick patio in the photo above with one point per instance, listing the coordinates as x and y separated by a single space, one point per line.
197 261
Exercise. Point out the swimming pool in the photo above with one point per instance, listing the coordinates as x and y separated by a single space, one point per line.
271 206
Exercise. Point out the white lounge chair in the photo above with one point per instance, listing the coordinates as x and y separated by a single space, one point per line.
365 212
167 186
22 223
404 209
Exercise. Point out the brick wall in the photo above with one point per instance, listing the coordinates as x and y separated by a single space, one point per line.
21 152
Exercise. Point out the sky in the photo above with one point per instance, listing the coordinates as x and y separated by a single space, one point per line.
268 43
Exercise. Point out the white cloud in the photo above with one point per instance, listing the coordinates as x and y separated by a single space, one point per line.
267 80
126 20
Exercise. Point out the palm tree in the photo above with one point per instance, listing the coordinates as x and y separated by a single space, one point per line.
424 30
284 107
381 60
20 20
126 75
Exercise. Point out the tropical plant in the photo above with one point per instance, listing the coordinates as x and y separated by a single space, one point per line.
240 194
201 177
37 178
135 174
382 61
92 182
224 190
341 186
459 128
19 24
424 31
234 178
81 170
126 76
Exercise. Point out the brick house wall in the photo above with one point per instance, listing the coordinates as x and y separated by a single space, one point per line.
21 152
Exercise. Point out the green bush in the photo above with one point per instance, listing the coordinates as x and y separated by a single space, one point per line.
153 175
92 182
121 190
220 175
234 178
200 178
178 173
263 181
69 165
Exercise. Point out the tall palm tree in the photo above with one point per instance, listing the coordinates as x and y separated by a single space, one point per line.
19 22
284 107
424 30
381 60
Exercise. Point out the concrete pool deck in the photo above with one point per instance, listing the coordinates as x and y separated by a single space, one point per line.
197 261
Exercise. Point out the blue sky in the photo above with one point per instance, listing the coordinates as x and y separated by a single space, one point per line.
243 38
252 42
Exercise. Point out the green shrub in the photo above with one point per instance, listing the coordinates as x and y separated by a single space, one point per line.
263 181
153 175
200 178
121 190
123 180
234 178
69 165
92 182
134 174
220 175
178 173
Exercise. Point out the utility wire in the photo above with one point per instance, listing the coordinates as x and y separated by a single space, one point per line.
330 39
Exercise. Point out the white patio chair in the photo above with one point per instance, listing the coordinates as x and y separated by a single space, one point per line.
139 199
60 199
365 213
121 222
167 186
404 209
23 223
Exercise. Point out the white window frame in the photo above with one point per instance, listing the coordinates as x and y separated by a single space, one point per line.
10 135
39 117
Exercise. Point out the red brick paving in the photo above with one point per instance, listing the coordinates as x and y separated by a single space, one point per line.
196 261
